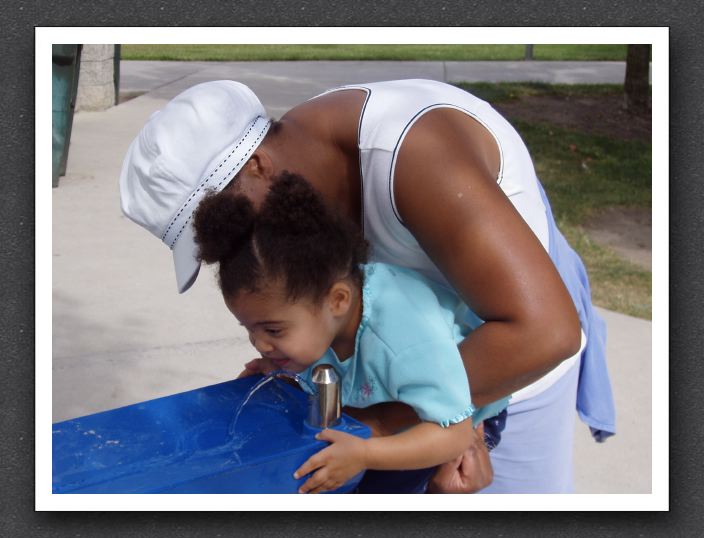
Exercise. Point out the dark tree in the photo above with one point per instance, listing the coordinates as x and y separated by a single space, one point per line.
637 85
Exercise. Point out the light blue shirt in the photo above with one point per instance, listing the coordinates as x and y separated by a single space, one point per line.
406 349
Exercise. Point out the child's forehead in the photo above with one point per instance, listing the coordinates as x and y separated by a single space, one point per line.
273 292
270 294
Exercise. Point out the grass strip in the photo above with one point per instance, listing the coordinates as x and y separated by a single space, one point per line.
616 284
369 52
583 174
502 92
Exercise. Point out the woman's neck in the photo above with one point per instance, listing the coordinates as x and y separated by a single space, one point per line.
318 140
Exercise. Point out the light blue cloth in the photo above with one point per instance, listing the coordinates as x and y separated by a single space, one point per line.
595 402
406 349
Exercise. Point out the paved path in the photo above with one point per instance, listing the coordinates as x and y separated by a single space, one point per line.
282 85
121 332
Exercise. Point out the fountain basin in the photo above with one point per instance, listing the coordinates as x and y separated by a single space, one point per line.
184 443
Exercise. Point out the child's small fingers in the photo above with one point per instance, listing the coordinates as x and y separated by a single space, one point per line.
327 486
333 436
246 373
329 435
314 483
309 466
253 364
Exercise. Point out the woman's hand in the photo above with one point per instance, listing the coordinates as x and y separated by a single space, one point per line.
334 465
257 366
468 473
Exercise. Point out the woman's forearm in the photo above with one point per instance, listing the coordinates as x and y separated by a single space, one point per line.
424 445
503 357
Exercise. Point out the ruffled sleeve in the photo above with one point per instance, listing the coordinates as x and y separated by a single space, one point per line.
430 377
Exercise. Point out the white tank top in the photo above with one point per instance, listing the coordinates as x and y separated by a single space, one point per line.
390 110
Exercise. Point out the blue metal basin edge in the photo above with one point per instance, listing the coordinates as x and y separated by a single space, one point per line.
185 443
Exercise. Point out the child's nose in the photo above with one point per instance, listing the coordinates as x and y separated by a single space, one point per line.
261 345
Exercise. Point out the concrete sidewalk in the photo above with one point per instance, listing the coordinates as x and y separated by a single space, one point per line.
281 85
121 332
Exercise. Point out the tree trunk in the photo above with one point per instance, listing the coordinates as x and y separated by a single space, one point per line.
637 85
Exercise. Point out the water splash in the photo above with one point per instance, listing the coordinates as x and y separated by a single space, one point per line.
305 385
277 374
258 385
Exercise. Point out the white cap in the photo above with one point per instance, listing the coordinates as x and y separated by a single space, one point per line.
197 142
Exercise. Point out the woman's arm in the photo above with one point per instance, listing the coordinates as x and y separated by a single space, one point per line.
449 199
385 418
424 445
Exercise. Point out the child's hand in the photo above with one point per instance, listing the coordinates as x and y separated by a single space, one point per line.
335 465
257 366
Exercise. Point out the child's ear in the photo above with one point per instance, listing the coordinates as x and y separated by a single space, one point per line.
340 298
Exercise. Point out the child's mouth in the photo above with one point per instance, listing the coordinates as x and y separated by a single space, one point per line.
280 363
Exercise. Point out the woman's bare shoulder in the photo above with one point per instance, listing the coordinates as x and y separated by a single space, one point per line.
327 106
331 118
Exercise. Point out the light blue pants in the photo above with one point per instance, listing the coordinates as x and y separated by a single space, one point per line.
535 452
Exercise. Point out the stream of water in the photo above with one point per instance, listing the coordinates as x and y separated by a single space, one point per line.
263 382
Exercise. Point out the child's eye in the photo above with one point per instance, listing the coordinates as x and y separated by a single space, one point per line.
273 332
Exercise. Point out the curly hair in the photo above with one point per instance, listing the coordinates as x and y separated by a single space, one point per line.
293 238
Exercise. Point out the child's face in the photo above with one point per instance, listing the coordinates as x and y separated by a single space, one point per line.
292 335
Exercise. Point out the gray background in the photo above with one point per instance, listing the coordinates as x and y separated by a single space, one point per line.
686 285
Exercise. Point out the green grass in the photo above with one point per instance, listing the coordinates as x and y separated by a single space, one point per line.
370 52
616 284
498 92
583 174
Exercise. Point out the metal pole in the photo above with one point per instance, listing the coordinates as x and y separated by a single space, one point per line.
66 61
116 71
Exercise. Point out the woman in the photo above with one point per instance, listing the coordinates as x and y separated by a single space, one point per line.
439 182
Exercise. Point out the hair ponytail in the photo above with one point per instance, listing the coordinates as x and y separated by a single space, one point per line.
305 244
222 223
293 238
293 208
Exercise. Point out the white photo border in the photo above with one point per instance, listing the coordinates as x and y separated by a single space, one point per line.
658 37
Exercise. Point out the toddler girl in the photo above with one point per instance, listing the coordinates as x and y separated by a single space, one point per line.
294 275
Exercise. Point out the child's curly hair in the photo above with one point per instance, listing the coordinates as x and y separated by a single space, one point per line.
293 237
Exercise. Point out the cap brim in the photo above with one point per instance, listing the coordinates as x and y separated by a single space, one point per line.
186 263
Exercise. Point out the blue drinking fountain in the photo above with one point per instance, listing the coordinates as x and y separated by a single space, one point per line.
243 436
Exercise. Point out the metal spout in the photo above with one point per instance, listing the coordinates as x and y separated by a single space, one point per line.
324 404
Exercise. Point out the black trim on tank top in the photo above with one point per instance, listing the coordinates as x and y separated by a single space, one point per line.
359 154
411 122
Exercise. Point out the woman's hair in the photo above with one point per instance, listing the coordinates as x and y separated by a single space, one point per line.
293 238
